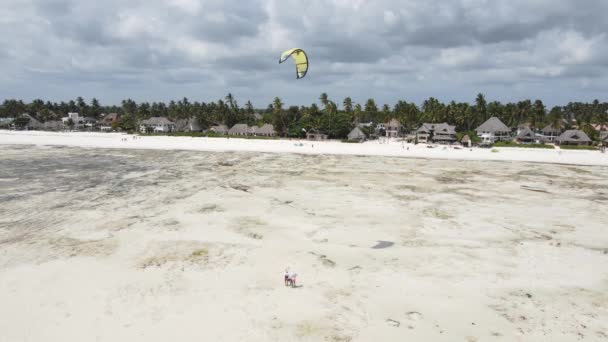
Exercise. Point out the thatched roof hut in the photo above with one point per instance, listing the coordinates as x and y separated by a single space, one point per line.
493 125
526 135
356 134
239 129
219 129
573 137
266 130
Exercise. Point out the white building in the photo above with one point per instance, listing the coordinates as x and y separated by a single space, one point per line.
157 125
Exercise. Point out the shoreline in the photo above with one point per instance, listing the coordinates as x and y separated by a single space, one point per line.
235 144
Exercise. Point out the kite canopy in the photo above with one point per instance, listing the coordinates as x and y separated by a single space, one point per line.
299 58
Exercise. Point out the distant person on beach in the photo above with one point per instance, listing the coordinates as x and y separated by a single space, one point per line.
286 276
292 279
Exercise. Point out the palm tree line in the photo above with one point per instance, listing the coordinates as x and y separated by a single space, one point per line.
328 116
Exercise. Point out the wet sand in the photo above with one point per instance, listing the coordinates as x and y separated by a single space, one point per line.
124 245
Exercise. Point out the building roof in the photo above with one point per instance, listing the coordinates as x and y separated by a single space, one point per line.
549 129
438 128
222 129
600 127
393 123
356 133
573 136
466 139
493 125
526 133
266 129
109 118
157 120
239 129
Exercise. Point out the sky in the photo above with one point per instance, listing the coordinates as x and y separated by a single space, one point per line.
389 50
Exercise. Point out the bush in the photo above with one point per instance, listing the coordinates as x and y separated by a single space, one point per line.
575 147
512 144
356 141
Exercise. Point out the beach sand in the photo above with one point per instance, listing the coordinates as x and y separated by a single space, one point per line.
127 244
391 148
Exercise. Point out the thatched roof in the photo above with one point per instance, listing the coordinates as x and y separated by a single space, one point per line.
573 136
109 118
549 129
220 129
356 134
493 125
466 139
239 129
267 129
438 128
526 133
157 121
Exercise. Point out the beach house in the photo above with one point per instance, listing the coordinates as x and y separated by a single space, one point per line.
219 129
441 133
239 129
108 120
573 137
526 135
73 121
393 128
32 123
314 134
267 130
493 130
356 134
551 133
157 124
187 125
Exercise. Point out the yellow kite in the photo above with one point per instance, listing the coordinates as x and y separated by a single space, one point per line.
299 57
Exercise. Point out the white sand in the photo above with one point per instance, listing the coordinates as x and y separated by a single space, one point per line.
374 148
126 245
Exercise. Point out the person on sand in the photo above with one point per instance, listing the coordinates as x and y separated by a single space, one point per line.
286 276
292 279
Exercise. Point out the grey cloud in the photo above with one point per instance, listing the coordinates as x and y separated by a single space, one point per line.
381 49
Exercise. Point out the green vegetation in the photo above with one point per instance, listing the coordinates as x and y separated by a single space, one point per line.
512 144
575 147
325 114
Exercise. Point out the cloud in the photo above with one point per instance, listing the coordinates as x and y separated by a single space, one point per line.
386 49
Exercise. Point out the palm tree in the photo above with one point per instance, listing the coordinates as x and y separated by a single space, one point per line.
481 107
348 105
357 113
371 110
324 99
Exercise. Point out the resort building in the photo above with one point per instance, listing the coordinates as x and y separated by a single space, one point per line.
356 134
440 133
239 129
157 125
219 129
313 134
573 137
187 125
526 135
265 131
393 128
551 133
493 130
